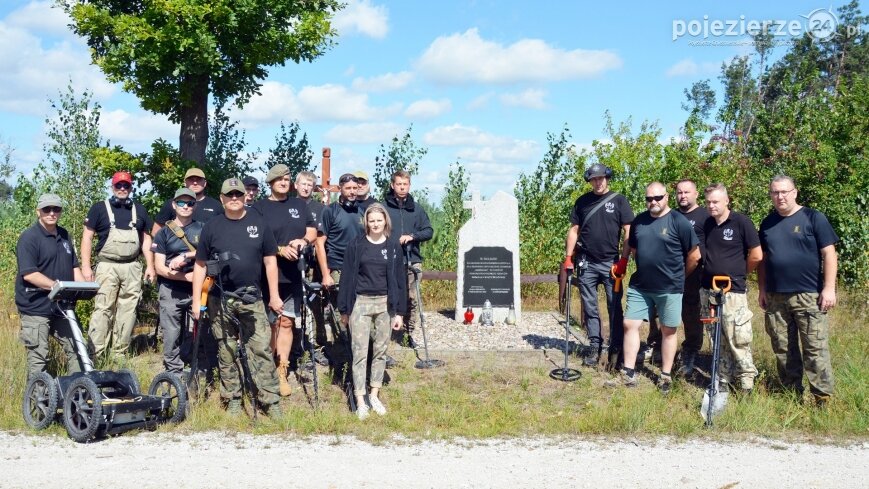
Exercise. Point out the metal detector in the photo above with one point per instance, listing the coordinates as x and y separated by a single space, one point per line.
714 401
428 362
566 374
308 325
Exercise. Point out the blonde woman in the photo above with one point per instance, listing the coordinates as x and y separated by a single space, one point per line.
373 297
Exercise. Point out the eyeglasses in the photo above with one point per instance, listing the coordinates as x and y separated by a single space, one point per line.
123 186
235 194
52 208
185 203
780 193
361 181
656 198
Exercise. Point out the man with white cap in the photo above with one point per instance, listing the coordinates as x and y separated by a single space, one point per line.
363 199
45 254
205 208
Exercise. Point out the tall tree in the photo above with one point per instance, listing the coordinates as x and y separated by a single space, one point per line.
402 154
172 54
291 150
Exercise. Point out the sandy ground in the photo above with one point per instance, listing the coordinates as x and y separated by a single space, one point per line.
217 460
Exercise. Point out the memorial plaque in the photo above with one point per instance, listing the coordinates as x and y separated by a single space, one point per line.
488 274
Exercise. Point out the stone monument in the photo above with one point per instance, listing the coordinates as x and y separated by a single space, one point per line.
488 256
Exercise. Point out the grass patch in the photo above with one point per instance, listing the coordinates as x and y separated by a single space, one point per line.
509 394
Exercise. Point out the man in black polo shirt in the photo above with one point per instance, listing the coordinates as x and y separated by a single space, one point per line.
205 208
732 249
797 287
598 219
45 255
293 228
244 236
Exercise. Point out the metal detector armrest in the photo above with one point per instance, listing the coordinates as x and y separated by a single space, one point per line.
73 291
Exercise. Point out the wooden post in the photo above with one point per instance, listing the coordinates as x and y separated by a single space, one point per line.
326 186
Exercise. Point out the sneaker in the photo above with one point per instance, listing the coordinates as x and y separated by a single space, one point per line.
623 380
273 411
362 410
233 406
687 367
665 384
390 362
377 406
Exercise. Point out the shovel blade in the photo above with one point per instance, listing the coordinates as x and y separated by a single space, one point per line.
717 404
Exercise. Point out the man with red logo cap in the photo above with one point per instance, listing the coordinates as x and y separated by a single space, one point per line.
121 226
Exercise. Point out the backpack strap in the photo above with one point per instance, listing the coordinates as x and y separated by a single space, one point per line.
179 233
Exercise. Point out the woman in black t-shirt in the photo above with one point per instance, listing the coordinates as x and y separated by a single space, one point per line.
373 294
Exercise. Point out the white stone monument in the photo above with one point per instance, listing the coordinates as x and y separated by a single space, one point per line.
488 258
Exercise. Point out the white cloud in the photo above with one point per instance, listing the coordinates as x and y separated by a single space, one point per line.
481 101
688 67
529 99
365 133
427 109
489 177
364 18
383 83
518 150
468 58
459 135
275 102
136 130
41 17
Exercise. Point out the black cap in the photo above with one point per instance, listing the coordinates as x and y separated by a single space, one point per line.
248 181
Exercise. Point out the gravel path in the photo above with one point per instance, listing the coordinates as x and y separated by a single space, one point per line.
218 460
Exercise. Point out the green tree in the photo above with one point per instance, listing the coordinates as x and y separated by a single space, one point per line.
402 154
441 253
291 150
174 53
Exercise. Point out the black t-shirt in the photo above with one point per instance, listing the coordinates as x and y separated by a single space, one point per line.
53 255
98 220
599 237
316 208
166 243
373 261
365 204
792 250
661 245
203 211
341 225
248 238
288 220
697 217
727 248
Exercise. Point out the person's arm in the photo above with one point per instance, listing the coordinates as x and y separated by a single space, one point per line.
761 281
168 272
77 275
827 297
321 261
198 279
271 264
692 259
150 272
87 243
40 280
755 255
423 231
626 250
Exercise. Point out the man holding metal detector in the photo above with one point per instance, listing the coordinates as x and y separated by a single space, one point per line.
45 255
240 239
293 228
598 219
665 249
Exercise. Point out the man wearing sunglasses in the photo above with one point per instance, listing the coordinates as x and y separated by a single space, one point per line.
121 226
363 199
243 236
206 207
45 255
665 248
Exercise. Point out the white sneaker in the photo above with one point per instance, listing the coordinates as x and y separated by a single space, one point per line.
377 406
362 411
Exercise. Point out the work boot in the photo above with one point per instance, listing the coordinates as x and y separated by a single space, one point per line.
282 378
390 362
273 411
591 359
234 407
687 367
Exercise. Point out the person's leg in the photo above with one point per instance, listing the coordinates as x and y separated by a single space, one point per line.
636 311
34 336
412 317
255 327
380 342
814 336
130 291
361 322
588 282
224 332
170 319
693 342
669 308
737 362
782 330
60 328
104 304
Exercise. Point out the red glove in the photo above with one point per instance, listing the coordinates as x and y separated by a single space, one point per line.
621 267
568 263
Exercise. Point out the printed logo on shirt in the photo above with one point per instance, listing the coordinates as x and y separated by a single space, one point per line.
663 231
610 207
252 231
383 252
294 213
693 222
796 229
728 234
67 248
209 209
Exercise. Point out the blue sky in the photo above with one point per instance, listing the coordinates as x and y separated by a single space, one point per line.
481 81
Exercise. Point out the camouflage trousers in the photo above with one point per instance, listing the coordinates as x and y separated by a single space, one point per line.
794 321
257 333
35 331
736 363
369 321
413 312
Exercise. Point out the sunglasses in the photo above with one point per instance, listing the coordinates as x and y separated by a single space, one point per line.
123 186
656 198
53 208
185 203
235 194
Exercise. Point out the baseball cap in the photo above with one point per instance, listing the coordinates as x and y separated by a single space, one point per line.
346 178
121 176
247 181
277 171
230 185
184 192
194 172
48 200
361 174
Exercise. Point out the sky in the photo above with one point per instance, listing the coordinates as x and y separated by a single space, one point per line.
481 82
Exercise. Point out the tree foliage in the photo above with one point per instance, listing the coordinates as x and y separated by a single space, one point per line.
441 253
290 149
402 154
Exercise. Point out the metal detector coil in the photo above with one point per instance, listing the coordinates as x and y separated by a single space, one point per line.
565 374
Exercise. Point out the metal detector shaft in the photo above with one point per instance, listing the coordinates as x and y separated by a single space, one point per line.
428 362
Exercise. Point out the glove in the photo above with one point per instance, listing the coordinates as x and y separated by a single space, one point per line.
621 267
568 263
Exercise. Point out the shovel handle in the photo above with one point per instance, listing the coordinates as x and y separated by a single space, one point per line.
718 281
617 286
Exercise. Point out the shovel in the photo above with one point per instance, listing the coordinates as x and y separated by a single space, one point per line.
714 401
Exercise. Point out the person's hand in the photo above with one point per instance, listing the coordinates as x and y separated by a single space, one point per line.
285 252
87 274
177 262
826 299
188 277
327 280
405 238
295 246
150 275
397 323
761 300
196 310
568 263
345 320
276 304
621 267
